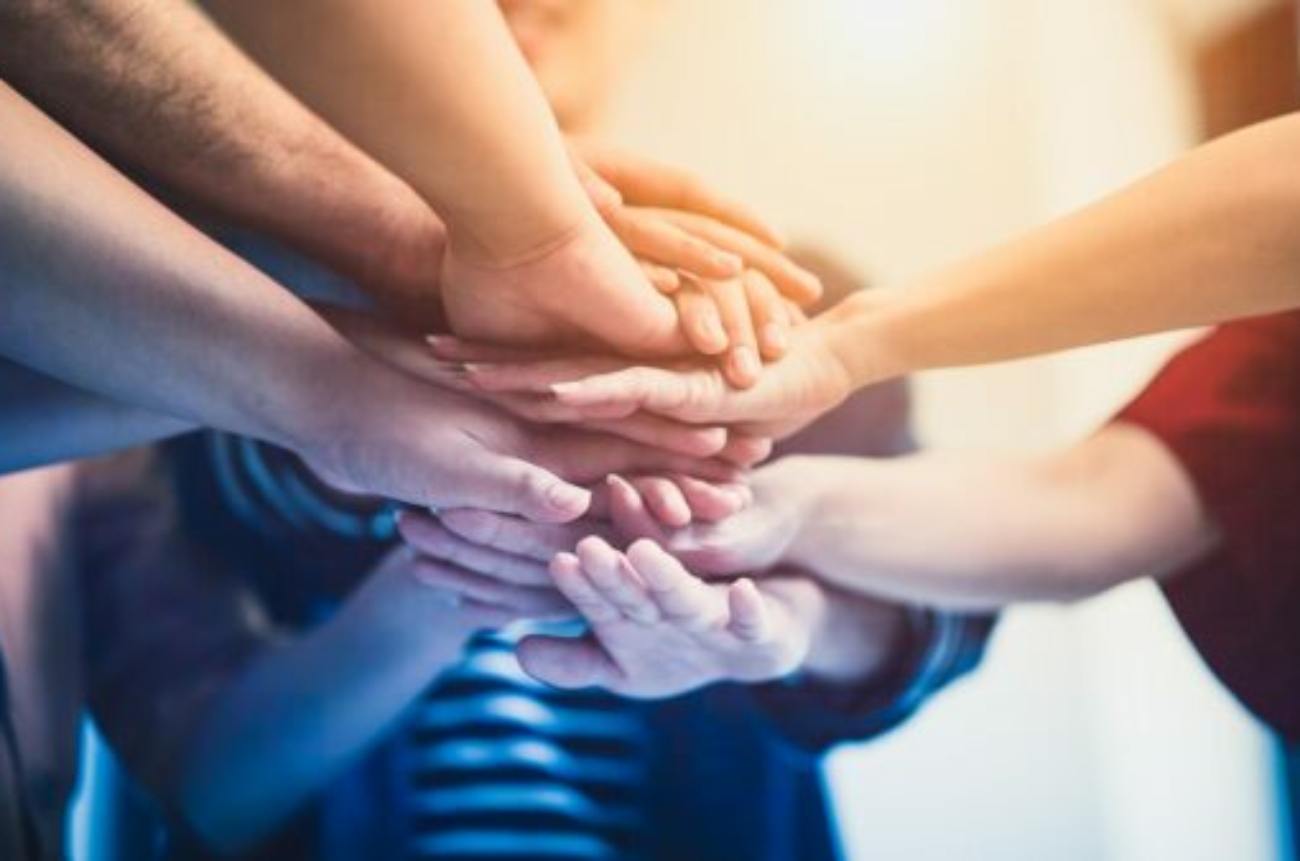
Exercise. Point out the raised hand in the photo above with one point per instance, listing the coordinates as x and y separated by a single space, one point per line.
657 631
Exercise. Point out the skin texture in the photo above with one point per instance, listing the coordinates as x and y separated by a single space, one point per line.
221 135
1208 238
958 530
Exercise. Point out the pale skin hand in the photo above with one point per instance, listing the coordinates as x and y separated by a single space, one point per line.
656 631
808 381
959 530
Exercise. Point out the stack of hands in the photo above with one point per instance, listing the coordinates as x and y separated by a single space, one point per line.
602 404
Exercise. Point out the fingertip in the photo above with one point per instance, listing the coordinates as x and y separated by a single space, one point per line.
743 367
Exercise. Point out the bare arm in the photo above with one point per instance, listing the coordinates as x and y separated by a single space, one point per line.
1209 238
155 85
441 95
969 530
43 421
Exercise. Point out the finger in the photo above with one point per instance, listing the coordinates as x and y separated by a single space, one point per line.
659 432
519 537
586 457
644 182
628 512
700 319
664 499
768 310
536 376
512 486
566 662
567 575
680 394
649 235
490 592
680 596
741 364
605 197
791 280
609 574
750 619
745 450
665 280
450 348
708 502
435 541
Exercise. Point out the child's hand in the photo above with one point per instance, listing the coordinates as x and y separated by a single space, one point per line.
658 631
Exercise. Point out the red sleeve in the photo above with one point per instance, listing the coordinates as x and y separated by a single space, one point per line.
1228 408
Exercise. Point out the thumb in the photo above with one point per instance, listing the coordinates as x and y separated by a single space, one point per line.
511 486
566 662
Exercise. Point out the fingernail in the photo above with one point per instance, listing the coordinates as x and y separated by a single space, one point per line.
745 361
567 497
714 333
775 338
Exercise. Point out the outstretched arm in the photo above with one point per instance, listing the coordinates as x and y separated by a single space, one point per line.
44 421
157 87
960 530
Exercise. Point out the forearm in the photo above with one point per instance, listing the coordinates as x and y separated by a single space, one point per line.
103 288
44 421
1209 238
439 93
303 712
155 85
966 531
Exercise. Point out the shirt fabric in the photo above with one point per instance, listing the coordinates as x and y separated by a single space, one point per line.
1228 408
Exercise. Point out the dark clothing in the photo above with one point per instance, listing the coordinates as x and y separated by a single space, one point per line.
1228 408
734 769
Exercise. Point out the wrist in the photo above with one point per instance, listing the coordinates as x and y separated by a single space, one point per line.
521 243
864 336
813 482
858 639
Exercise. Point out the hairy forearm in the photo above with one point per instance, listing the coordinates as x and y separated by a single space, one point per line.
306 710
44 421
103 288
440 94
978 531
157 87
1209 238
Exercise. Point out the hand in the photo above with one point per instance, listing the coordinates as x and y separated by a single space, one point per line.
410 352
811 379
515 552
657 631
400 438
583 288
753 539
744 292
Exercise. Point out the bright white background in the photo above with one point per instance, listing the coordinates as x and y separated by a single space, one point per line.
899 134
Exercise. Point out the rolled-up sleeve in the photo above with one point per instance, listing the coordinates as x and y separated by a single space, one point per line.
1228 409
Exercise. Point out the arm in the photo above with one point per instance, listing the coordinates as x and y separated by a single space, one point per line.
440 94
963 530
332 692
154 84
43 421
138 306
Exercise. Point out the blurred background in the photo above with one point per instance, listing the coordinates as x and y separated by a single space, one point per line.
896 136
